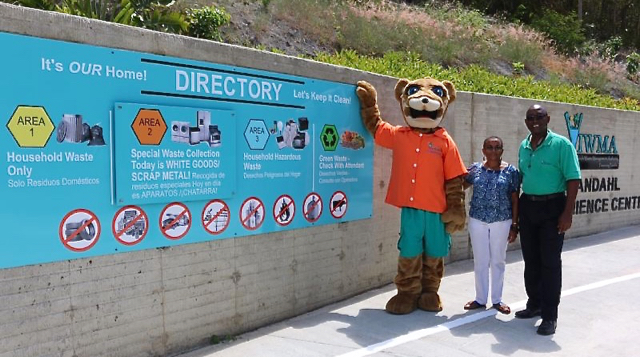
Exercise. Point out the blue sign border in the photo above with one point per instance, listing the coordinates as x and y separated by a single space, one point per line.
85 163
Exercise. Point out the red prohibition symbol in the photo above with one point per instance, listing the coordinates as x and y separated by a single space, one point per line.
338 204
284 209
79 230
130 225
252 213
175 220
312 207
215 216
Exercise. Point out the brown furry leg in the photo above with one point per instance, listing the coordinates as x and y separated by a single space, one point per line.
408 283
432 273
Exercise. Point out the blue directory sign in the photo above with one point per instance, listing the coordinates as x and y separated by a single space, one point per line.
108 151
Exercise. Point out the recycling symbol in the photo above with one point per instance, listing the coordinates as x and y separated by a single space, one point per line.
329 137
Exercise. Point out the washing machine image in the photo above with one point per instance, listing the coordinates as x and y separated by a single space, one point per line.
180 131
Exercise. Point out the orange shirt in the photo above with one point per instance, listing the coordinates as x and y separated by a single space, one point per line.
421 164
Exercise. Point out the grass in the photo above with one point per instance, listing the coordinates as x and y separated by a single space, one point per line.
441 39
446 41
218 339
315 17
477 79
520 45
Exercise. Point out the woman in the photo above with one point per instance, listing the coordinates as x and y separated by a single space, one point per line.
492 221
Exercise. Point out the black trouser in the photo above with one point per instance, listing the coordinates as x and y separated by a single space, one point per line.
541 249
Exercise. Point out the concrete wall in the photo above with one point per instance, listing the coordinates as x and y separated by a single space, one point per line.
163 301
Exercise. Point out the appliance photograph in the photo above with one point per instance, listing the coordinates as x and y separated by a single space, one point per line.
205 132
292 134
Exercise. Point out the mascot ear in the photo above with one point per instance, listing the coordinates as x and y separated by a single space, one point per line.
400 86
451 89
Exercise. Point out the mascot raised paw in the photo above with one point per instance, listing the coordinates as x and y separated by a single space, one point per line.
426 184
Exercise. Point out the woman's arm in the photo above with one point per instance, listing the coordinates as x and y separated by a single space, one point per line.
470 173
515 228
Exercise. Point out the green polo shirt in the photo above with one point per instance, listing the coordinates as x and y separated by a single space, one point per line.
547 169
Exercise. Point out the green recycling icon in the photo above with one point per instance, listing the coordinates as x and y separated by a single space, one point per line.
329 137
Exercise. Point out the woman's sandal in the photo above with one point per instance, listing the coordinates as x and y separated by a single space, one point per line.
502 308
472 305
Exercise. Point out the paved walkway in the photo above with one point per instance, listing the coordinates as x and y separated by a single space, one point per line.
599 315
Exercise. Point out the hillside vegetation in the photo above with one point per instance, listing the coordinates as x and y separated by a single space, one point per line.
441 39
487 54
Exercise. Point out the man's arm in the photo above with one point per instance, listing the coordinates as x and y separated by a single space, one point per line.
564 223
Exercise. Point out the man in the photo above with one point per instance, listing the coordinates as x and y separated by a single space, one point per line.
550 176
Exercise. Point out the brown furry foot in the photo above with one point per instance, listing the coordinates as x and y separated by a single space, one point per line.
430 302
402 304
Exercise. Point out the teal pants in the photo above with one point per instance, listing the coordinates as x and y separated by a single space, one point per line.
422 232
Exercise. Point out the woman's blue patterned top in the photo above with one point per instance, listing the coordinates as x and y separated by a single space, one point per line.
491 199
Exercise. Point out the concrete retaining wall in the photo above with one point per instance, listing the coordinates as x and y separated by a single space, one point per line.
163 301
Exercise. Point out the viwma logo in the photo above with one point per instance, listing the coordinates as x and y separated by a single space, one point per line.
595 151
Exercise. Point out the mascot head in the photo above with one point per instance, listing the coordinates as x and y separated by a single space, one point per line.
424 101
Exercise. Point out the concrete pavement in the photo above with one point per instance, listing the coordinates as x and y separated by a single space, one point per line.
598 315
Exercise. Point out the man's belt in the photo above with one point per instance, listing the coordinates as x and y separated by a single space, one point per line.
540 198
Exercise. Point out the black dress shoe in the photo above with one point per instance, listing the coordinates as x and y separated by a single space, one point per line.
527 313
547 327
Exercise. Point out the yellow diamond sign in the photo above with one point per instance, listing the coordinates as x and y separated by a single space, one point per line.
31 127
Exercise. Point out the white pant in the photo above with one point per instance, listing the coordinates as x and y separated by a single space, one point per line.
489 242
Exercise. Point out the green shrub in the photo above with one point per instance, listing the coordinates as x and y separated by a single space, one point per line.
521 14
588 48
478 79
472 18
518 68
157 15
633 63
48 5
565 30
456 13
87 8
205 22
610 48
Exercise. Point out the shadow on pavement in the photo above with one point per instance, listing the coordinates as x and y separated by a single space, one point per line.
511 335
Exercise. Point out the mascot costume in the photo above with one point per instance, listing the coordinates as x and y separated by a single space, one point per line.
426 184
